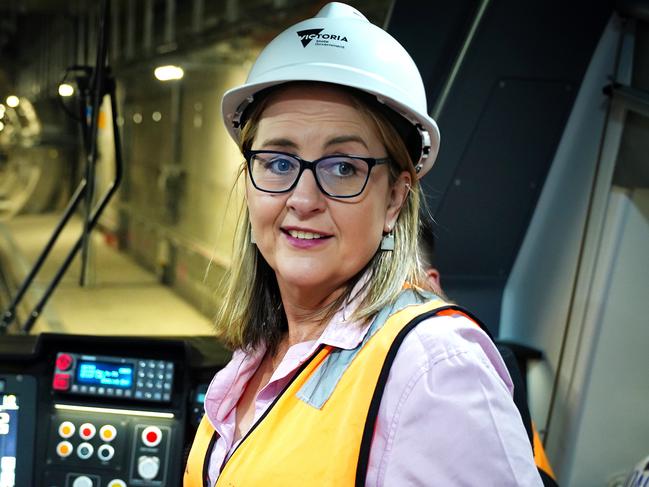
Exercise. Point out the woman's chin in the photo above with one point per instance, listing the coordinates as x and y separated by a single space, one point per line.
307 278
304 280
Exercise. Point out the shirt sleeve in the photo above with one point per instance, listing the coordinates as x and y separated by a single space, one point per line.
447 416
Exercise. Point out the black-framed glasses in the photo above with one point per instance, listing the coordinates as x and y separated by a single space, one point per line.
338 176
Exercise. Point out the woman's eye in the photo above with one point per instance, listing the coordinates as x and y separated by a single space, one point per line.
344 169
279 165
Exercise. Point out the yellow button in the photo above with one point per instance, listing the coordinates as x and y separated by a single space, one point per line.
116 483
66 429
64 449
107 432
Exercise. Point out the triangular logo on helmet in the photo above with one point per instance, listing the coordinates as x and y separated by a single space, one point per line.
307 36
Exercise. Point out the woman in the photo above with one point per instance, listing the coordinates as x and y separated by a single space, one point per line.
346 370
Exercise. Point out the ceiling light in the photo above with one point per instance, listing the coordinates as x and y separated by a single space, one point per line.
2 126
13 101
66 89
168 73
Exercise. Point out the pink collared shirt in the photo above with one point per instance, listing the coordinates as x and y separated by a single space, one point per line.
446 418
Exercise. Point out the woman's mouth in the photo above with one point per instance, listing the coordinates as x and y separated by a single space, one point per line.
304 235
305 239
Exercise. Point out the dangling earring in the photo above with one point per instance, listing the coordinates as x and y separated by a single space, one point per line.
387 242
252 236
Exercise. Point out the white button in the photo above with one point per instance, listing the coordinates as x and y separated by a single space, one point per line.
148 467
107 432
85 450
105 452
66 429
87 431
82 481
151 436
64 449
116 483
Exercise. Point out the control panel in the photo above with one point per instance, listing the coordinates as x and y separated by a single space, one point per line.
116 377
101 447
101 411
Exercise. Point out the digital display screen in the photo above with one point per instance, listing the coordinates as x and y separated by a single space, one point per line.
8 439
105 374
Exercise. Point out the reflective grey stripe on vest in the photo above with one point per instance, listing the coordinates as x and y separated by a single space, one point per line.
321 385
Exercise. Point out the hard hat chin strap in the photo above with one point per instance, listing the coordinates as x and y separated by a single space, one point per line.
237 118
425 147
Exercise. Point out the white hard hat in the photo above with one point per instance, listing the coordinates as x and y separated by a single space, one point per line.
340 46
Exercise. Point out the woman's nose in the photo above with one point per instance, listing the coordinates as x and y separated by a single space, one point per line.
306 197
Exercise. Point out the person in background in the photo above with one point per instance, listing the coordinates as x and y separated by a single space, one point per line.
427 254
347 368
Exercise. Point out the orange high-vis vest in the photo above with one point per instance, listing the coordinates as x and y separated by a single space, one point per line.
541 458
297 444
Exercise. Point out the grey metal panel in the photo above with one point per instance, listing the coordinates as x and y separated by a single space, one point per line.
500 175
498 141
433 33
541 296
632 170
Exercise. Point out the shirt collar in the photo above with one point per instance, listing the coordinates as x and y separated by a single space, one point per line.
340 332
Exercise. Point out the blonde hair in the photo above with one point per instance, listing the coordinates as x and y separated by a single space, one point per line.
251 312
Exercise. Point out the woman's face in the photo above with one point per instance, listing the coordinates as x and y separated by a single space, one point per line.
312 122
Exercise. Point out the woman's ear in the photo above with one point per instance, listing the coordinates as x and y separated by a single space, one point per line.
396 199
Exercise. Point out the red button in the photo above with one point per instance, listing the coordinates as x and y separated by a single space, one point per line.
61 382
87 431
63 361
151 436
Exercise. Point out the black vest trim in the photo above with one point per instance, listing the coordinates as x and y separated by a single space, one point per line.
206 463
268 410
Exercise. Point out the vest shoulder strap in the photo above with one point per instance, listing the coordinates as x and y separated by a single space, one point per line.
366 442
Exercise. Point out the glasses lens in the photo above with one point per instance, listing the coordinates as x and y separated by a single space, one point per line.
274 172
342 175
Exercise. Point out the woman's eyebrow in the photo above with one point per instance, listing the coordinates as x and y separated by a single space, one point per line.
279 142
341 139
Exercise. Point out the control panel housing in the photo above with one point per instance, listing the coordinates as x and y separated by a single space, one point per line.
101 411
